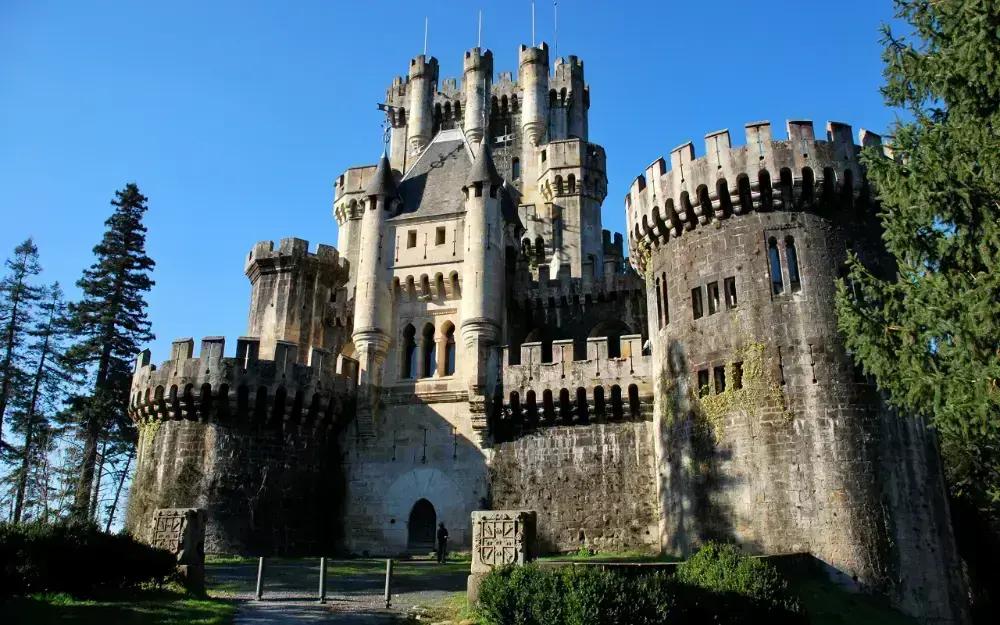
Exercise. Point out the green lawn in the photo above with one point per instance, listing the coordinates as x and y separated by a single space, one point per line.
165 607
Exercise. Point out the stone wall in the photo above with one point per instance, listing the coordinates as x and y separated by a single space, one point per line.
592 486
265 491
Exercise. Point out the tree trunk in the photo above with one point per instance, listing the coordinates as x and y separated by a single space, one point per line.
91 434
9 355
22 481
95 512
118 491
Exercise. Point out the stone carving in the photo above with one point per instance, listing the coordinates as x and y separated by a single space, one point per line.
500 537
181 531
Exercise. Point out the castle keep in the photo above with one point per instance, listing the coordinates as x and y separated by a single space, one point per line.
476 340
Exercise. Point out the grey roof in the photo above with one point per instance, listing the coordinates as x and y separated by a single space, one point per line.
483 169
433 185
382 182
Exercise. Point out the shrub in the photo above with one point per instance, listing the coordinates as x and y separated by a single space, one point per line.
734 579
75 558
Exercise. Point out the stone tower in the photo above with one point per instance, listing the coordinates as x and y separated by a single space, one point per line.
767 433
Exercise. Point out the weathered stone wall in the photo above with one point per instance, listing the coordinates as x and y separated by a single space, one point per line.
593 486
265 491
802 456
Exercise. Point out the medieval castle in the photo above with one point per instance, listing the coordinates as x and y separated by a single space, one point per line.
476 340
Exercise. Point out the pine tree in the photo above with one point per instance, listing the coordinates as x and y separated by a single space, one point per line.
17 299
49 385
112 325
931 335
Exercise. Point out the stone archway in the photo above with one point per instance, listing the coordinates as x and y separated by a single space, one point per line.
420 529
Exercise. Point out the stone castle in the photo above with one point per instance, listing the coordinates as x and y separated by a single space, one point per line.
476 340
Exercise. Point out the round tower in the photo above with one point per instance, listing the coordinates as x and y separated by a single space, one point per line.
533 78
482 265
573 95
423 76
476 80
372 314
767 434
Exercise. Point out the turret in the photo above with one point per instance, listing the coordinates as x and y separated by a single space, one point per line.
289 291
570 99
372 312
483 267
423 77
477 76
533 77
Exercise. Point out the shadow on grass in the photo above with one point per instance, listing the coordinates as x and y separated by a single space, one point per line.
153 608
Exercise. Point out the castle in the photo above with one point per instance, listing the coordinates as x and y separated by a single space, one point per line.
476 340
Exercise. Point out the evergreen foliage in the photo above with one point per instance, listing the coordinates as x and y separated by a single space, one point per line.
18 297
110 321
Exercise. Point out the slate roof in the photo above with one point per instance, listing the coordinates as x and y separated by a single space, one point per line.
483 169
382 182
433 186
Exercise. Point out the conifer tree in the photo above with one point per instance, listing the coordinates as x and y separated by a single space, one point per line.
17 299
931 335
112 325
49 387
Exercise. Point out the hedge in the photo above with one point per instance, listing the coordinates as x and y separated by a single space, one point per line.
76 558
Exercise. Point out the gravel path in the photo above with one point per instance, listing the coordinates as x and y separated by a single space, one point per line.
354 590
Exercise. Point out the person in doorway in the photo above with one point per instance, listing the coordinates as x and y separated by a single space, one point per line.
442 543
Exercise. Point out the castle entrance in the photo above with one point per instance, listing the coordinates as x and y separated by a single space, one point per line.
421 528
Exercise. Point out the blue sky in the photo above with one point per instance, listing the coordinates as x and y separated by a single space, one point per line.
236 117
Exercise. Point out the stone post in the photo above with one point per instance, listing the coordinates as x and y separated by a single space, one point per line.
181 531
499 537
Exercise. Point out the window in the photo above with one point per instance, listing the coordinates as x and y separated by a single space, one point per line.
713 298
696 306
543 155
729 286
659 305
666 301
703 388
515 168
409 352
411 238
774 263
449 351
719 373
792 257
737 376
439 236
430 352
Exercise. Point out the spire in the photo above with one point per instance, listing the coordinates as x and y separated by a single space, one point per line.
382 182
483 169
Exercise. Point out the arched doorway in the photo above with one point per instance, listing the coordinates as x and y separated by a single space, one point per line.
421 528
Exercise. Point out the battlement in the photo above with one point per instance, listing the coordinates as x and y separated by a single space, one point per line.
569 67
478 59
422 66
264 257
563 290
798 173
240 389
528 54
613 248
598 388
354 180
571 167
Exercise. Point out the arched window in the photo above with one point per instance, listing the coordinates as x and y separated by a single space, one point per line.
571 181
582 412
599 408
633 400
429 351
792 258
774 263
515 168
409 369
559 186
565 407
659 305
539 250
449 350
531 407
548 407
515 407
617 412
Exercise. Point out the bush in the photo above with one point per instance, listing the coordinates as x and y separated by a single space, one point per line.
735 578
75 558
719 584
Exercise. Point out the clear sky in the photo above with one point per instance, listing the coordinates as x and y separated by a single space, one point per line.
235 117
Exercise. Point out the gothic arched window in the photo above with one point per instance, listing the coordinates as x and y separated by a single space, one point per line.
449 351
409 352
774 263
429 352
792 258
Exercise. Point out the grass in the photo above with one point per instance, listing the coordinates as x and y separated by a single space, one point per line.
828 604
454 608
170 606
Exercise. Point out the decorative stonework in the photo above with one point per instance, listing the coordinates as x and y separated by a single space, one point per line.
500 538
181 531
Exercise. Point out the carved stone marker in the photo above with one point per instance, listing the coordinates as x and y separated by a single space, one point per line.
499 537
181 531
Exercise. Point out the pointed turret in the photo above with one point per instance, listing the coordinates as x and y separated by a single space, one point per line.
483 169
383 183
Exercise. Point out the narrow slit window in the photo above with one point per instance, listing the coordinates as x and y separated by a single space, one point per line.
411 238
719 373
515 168
713 298
774 262
703 389
792 257
696 305
659 305
729 285
737 376
439 236
666 302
